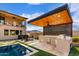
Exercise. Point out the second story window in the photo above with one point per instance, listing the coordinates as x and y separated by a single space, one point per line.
2 20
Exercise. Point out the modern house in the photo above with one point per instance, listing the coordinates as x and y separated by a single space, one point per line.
55 22
11 25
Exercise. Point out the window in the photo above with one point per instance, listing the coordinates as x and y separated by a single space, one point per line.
17 32
20 32
2 20
6 32
12 32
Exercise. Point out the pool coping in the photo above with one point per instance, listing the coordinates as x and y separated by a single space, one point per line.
31 53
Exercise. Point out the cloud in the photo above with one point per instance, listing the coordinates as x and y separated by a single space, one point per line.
76 22
32 27
34 3
74 9
32 16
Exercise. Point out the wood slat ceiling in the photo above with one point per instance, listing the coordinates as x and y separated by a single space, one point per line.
61 17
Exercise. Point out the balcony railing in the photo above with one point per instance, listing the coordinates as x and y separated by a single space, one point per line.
19 25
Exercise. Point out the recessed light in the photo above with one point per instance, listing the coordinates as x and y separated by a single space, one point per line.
58 15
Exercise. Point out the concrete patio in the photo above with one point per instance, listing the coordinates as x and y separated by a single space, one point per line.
46 48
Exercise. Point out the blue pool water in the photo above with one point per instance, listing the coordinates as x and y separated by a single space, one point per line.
14 50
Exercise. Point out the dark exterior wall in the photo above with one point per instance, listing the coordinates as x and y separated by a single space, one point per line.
58 29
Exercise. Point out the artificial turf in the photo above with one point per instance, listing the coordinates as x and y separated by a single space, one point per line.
74 51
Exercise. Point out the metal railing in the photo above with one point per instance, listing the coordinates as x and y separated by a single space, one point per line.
19 25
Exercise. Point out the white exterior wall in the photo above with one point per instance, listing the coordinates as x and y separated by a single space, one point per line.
8 27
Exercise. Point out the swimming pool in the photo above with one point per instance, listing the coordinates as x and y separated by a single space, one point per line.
14 50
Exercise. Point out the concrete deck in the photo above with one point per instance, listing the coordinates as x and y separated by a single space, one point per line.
46 48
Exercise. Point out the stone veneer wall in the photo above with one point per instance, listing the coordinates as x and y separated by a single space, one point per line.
75 33
58 29
54 43
8 27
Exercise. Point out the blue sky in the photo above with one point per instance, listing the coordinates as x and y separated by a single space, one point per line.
32 10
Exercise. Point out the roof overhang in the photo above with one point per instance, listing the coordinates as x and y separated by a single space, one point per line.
14 16
60 15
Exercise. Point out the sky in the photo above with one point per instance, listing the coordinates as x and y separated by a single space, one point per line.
33 10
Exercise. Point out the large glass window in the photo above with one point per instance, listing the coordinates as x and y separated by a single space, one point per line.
2 20
12 32
6 32
17 32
